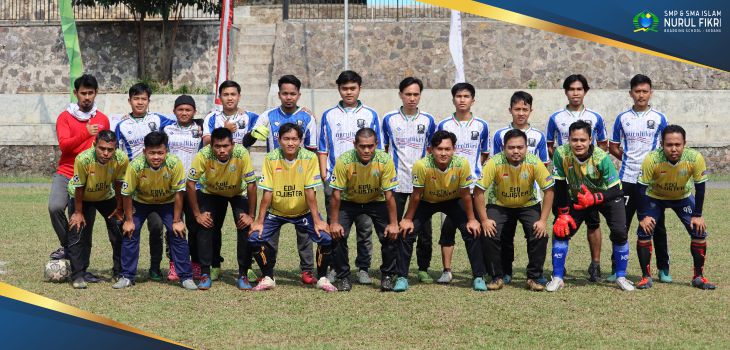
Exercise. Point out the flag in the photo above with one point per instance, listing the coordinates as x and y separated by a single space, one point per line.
71 40
455 46
223 47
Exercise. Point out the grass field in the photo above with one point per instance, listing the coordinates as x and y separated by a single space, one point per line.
427 316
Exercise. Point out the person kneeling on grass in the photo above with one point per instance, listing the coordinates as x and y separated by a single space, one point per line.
510 178
289 176
362 184
666 179
154 183
585 176
95 186
441 183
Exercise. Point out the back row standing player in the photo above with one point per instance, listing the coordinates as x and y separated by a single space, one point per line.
637 132
576 87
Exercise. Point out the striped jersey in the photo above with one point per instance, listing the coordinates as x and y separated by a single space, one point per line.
97 179
638 133
288 180
274 118
667 181
407 139
472 139
154 186
364 183
216 119
512 186
441 185
131 131
597 172
559 123
536 143
338 127
226 179
184 141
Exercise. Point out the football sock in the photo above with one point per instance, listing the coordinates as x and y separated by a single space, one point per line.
621 256
324 260
643 251
560 252
698 256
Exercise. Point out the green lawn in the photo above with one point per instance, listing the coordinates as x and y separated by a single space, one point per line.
427 316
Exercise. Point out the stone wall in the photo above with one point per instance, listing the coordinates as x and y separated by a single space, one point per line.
497 55
33 58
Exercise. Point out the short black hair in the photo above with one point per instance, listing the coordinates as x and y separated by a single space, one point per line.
365 132
290 79
227 84
580 124
573 78
410 81
674 129
106 136
442 135
140 88
520 96
87 81
348 76
286 127
155 139
514 133
463 86
221 134
639 79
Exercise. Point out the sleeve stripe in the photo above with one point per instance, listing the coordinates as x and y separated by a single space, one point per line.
337 187
313 186
266 188
701 181
551 184
557 177
390 188
419 186
617 182
479 184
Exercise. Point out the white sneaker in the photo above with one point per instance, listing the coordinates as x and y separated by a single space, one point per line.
555 284
363 277
445 278
625 284
265 284
325 285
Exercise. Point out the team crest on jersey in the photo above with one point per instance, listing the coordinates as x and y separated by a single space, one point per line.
166 176
683 172
421 129
531 142
300 169
524 175
152 125
241 123
300 122
453 177
195 133
475 135
361 123
375 173
651 124
232 168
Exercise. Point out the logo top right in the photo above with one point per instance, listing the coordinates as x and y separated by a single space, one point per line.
646 21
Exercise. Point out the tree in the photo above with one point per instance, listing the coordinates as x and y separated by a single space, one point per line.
142 9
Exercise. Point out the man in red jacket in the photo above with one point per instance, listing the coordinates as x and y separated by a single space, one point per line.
76 128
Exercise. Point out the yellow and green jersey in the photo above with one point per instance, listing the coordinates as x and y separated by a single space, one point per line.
669 181
439 186
512 186
97 179
287 180
223 179
597 172
364 183
154 186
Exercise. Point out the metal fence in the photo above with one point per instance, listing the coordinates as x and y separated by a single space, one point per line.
47 11
386 10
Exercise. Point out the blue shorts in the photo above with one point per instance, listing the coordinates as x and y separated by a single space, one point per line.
304 223
682 207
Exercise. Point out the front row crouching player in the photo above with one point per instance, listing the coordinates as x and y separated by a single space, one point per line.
585 176
665 183
223 171
289 176
95 186
441 183
154 183
509 177
363 179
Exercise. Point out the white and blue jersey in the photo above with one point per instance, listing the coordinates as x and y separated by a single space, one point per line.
407 139
638 133
184 142
276 117
559 123
131 131
472 140
536 143
338 127
216 119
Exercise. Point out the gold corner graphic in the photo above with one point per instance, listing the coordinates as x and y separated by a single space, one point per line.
489 11
15 293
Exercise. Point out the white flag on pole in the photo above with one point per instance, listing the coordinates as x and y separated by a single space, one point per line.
455 46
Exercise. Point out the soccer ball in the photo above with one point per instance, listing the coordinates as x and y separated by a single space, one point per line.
57 270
